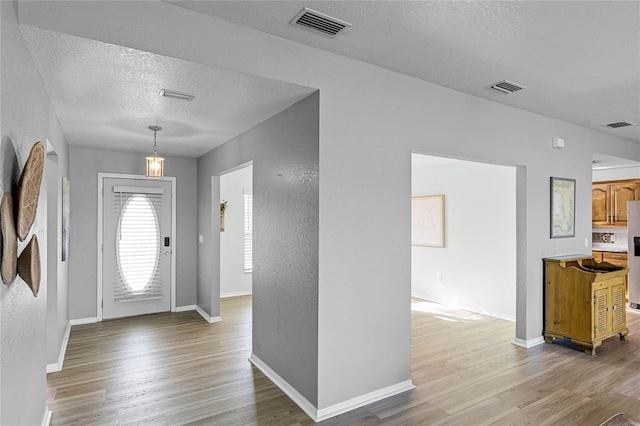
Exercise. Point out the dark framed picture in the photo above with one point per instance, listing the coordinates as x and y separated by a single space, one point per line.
563 207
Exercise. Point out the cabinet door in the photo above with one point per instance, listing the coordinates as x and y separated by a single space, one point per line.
600 206
618 259
620 194
600 312
618 319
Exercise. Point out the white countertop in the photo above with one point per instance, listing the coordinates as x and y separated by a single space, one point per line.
614 247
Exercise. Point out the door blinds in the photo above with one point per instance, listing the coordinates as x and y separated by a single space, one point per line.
137 244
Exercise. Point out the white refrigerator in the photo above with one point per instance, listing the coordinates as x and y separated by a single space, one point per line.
633 229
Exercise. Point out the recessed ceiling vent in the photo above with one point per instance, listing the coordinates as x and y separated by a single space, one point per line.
620 124
506 87
316 21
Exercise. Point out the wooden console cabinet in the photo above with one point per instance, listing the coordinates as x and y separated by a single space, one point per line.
584 301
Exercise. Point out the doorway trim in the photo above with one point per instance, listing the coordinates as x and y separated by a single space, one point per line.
101 177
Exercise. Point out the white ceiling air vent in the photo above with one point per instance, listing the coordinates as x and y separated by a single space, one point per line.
316 21
620 124
506 87
177 95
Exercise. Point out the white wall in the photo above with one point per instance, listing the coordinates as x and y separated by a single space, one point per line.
27 117
476 270
371 120
233 280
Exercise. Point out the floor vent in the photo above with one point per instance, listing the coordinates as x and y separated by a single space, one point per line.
316 21
506 87
620 124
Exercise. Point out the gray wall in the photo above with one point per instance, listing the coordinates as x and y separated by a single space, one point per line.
284 151
27 117
371 120
84 165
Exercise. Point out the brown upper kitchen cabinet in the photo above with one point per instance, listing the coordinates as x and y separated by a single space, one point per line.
609 201
601 199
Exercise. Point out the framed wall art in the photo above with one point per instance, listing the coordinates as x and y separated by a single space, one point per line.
427 221
66 212
563 204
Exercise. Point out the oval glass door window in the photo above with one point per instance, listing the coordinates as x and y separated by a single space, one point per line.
138 243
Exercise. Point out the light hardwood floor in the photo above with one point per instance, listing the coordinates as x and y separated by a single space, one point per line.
176 369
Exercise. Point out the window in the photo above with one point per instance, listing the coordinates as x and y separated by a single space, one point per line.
248 232
137 244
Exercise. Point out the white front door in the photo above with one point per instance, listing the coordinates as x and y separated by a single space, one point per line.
136 247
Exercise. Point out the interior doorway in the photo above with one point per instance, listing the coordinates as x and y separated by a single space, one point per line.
236 232
476 268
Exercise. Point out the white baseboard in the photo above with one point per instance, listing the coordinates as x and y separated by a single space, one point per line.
334 410
185 308
54 368
206 316
81 321
235 294
289 390
362 400
528 343
464 307
46 420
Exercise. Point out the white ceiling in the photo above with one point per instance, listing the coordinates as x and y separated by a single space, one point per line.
602 161
106 96
580 62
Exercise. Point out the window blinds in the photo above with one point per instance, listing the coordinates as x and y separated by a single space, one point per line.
137 246
248 232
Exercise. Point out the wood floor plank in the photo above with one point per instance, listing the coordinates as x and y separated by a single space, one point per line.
485 412
175 369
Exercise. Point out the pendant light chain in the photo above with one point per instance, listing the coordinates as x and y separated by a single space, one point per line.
155 145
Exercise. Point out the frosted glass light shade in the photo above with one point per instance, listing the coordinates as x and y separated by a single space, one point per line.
155 166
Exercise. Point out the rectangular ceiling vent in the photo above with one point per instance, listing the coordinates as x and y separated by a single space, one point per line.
620 124
506 87
316 21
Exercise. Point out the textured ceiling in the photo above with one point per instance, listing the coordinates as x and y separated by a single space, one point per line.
106 96
580 60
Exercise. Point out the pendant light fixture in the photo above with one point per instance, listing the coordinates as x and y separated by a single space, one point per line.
155 163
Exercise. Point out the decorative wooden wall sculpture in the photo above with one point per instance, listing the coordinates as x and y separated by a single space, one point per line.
29 190
9 240
29 265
